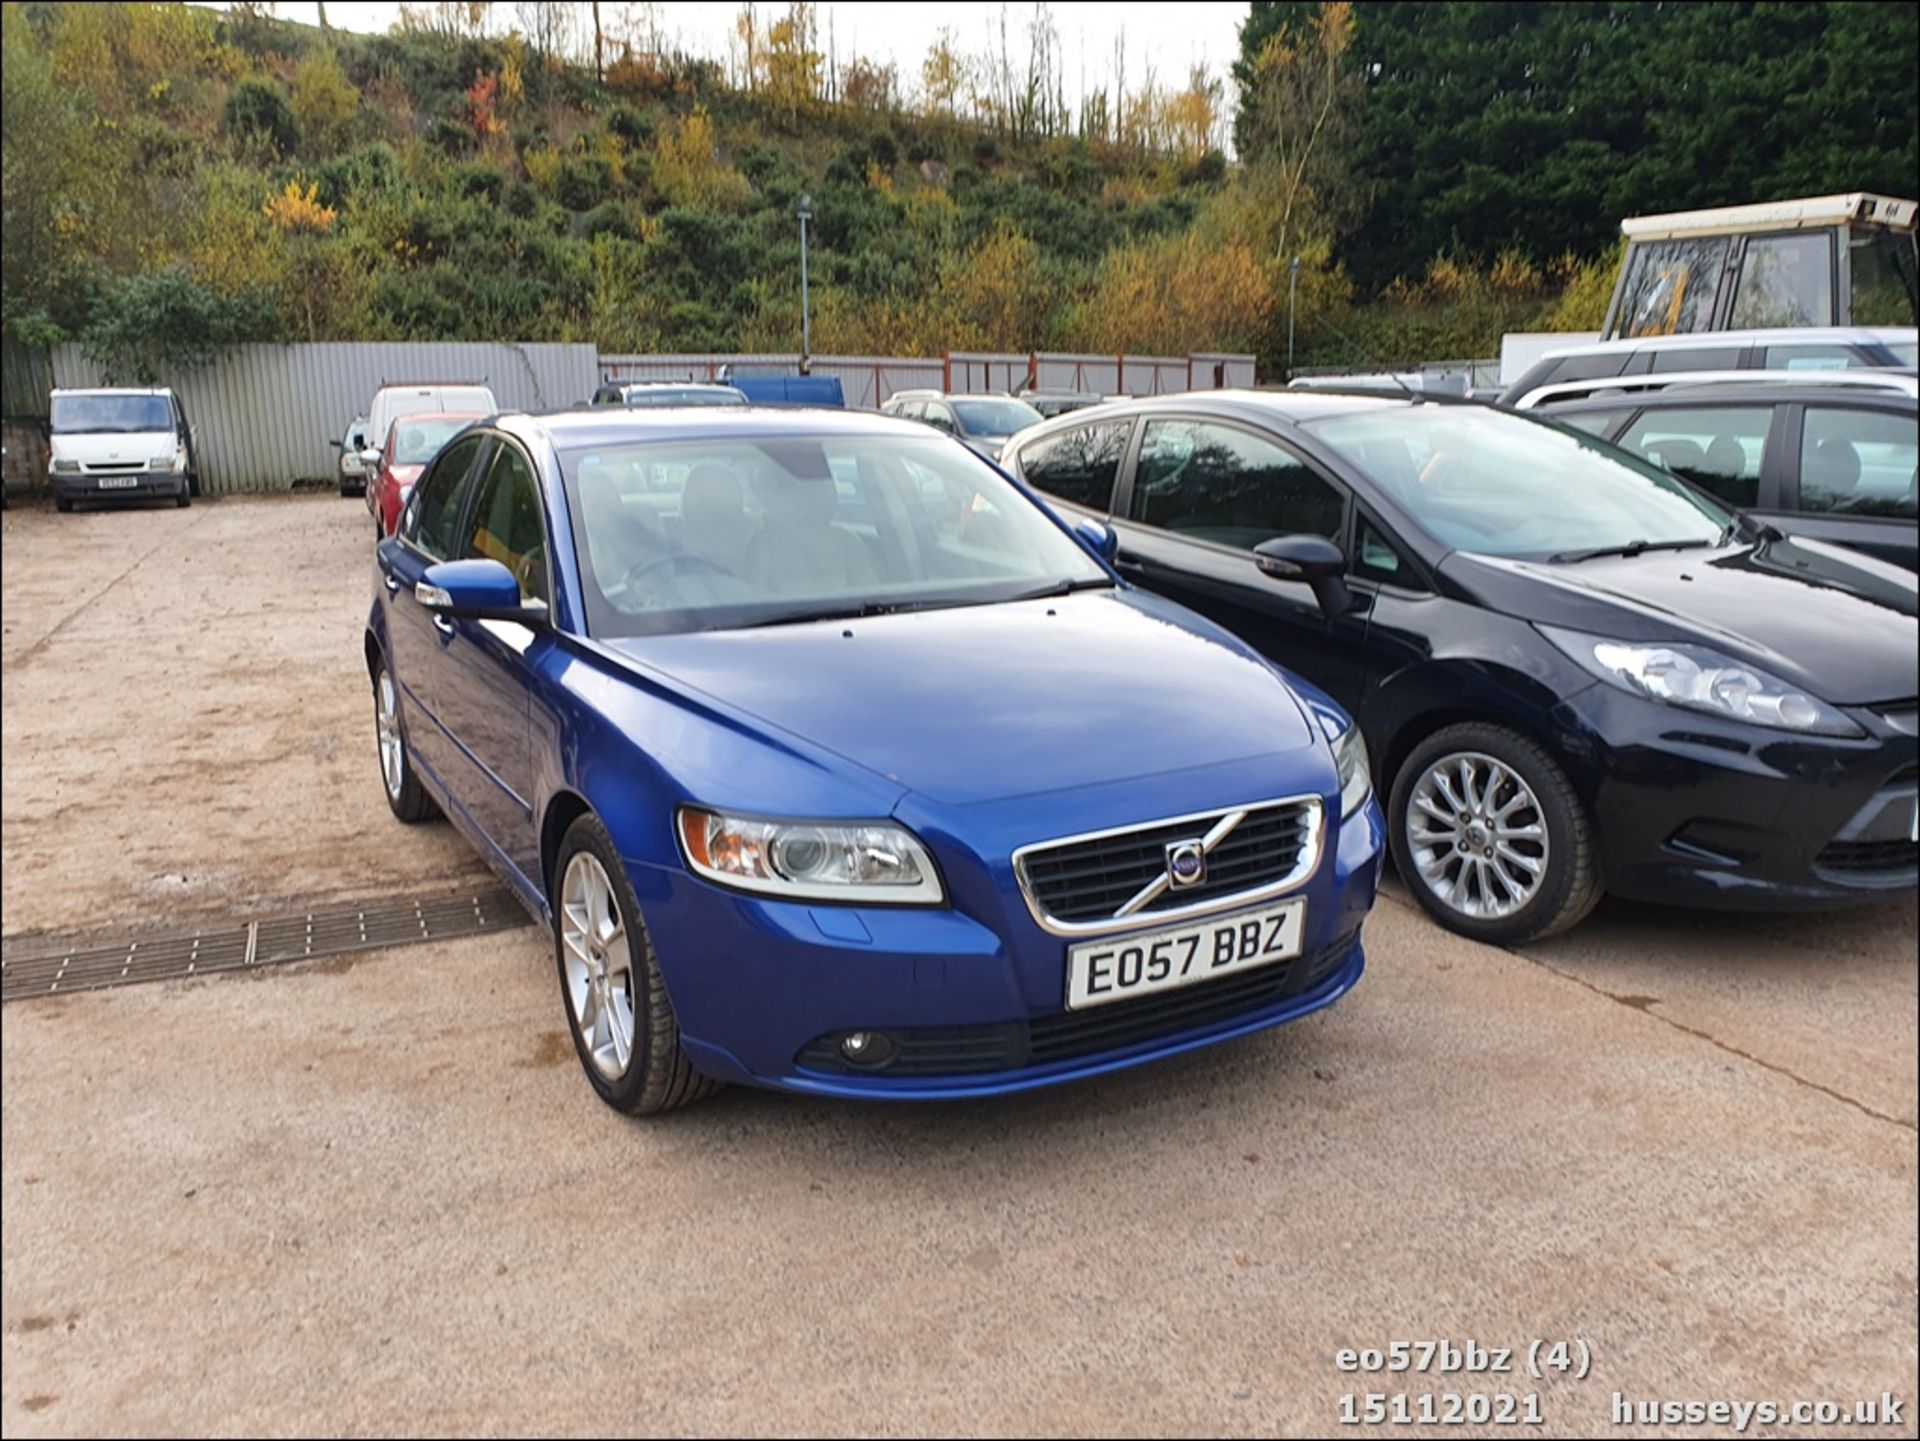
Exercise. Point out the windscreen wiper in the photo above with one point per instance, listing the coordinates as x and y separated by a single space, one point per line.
864 611
1064 587
1631 548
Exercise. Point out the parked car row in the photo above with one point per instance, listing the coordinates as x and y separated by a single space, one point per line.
841 761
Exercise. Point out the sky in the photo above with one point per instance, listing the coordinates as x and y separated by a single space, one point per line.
1167 38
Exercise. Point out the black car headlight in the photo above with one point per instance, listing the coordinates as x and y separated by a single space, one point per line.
877 862
1702 679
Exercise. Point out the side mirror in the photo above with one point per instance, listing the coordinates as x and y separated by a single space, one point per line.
477 590
370 458
1313 559
1098 537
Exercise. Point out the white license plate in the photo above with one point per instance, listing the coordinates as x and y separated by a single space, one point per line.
118 482
1119 968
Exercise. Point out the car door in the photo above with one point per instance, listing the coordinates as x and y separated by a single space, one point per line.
486 663
1853 478
417 638
1202 493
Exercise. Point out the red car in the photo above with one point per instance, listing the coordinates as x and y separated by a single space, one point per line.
411 443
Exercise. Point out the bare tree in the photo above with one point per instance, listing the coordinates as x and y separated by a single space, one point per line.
548 26
599 45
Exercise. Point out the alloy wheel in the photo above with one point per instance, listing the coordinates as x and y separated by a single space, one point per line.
599 965
386 721
1477 835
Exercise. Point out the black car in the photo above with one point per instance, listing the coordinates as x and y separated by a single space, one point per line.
1574 672
1827 461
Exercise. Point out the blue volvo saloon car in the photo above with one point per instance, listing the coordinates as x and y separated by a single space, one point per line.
837 763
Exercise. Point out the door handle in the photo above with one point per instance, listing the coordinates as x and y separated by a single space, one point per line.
443 625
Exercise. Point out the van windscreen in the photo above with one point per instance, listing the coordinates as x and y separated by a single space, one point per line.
109 413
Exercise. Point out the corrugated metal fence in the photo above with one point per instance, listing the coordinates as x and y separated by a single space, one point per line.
870 379
264 415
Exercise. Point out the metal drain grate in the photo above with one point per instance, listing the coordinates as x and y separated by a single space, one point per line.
88 965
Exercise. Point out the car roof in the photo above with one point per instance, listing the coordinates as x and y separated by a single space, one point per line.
1733 393
1293 405
610 425
1862 380
671 384
414 416
1720 339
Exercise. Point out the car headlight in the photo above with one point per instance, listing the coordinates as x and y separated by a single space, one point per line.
66 467
1350 761
1702 679
873 861
172 460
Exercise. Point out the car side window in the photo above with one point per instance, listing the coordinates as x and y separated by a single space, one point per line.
1077 465
1593 422
1696 357
1228 486
1719 448
434 506
1859 462
1603 366
941 417
1376 558
506 524
1814 357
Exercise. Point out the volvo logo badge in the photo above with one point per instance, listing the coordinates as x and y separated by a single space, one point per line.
1186 865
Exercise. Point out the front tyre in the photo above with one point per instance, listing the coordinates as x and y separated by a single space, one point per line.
1489 836
623 1024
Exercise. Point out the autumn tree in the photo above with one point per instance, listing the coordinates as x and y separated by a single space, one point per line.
1300 104
943 74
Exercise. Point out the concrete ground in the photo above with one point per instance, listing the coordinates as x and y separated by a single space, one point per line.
375 1194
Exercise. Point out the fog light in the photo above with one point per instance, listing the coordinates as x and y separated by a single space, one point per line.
866 1048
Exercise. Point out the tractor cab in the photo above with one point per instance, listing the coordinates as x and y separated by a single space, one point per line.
1832 260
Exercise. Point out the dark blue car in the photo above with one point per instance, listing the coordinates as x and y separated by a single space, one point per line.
838 764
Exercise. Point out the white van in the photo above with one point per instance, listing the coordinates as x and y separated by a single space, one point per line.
390 402
106 444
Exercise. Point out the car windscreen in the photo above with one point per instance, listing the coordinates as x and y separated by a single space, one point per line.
123 414
415 442
722 533
995 417
1494 483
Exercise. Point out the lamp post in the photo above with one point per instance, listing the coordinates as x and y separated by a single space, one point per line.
1293 289
805 211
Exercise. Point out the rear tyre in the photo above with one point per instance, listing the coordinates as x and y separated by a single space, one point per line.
623 1025
406 797
1489 836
